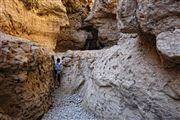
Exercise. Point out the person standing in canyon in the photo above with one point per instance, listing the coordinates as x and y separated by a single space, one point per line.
58 69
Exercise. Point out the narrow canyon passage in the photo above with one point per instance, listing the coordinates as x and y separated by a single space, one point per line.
68 107
68 97
121 59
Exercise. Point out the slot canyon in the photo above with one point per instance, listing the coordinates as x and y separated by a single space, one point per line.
120 59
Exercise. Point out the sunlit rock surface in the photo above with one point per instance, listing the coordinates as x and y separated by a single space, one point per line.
38 20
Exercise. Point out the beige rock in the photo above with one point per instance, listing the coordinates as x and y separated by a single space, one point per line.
125 81
38 20
158 16
26 78
103 17
153 19
148 16
168 43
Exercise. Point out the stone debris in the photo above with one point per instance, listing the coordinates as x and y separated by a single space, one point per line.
68 107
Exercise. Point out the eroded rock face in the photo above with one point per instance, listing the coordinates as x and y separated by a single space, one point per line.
26 78
131 82
38 20
152 17
148 16
126 81
70 38
103 17
76 70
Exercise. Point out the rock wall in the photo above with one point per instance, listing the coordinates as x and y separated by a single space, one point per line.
128 81
158 18
103 17
70 37
38 20
26 79
124 82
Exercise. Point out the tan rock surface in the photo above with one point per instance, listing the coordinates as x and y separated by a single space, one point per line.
38 20
26 79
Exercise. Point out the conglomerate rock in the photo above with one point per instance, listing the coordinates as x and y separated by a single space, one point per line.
26 79
125 81
38 20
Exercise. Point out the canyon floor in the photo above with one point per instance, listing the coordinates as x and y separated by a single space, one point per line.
68 107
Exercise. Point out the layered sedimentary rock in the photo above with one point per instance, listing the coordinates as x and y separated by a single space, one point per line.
125 81
70 37
103 17
38 20
26 79
152 17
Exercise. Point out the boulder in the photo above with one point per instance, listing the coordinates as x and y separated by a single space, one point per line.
156 19
168 44
26 78
38 20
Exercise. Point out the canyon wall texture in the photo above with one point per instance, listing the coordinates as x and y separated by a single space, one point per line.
126 81
103 18
38 20
138 79
70 37
156 18
131 80
26 79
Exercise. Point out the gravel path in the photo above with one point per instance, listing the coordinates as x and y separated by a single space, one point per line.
68 107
